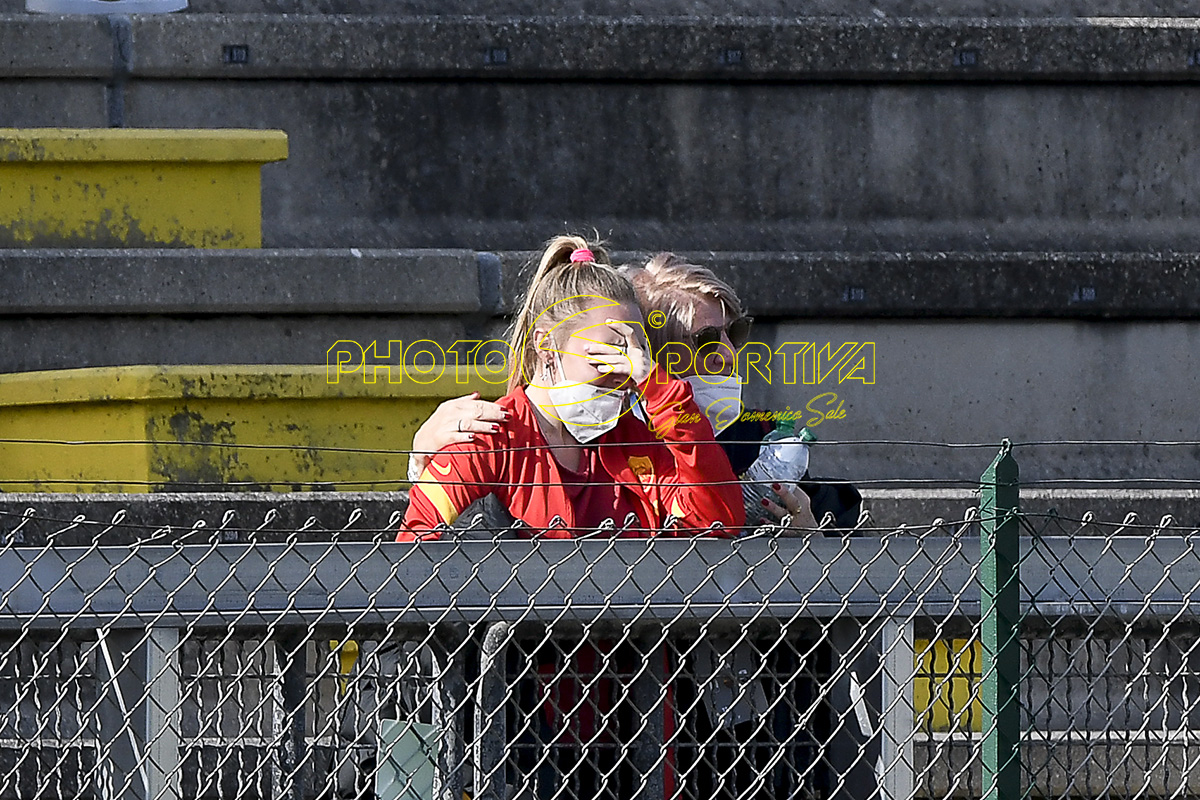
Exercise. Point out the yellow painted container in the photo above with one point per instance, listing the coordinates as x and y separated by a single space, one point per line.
193 428
946 690
129 187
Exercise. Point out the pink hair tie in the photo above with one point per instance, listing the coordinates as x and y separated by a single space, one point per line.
582 255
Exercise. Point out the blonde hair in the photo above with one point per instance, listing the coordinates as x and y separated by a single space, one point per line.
669 284
558 290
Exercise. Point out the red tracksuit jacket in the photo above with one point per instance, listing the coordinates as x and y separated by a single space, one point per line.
671 468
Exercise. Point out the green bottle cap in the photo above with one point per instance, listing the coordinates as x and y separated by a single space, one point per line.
807 436
786 426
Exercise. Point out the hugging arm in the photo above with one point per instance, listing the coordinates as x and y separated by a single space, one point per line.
454 422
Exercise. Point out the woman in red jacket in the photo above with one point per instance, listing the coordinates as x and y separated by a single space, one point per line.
572 456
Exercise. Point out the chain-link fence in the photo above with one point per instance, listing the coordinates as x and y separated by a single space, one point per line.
861 664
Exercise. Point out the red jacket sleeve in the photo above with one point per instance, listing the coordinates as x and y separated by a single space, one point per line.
701 488
454 478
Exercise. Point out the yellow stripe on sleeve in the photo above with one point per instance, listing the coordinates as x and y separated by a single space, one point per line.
437 495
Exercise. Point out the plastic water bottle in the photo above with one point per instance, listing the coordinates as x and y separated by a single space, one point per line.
782 459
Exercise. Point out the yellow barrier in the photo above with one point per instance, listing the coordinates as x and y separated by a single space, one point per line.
946 691
127 187
181 423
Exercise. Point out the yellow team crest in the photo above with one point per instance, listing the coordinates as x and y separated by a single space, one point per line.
641 466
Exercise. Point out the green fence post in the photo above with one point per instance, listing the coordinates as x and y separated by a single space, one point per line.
1000 610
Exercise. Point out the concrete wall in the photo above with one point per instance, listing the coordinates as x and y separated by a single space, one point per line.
703 166
984 380
77 308
821 133
359 516
716 8
967 347
943 381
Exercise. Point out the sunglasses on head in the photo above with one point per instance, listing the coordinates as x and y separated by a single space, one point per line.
738 332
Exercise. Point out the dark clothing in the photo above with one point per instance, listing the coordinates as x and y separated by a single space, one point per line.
833 496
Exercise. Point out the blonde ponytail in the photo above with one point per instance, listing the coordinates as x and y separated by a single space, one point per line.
562 286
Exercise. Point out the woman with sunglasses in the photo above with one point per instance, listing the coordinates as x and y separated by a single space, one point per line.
697 331
696 334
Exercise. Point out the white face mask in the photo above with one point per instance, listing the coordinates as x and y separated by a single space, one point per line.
588 411
719 397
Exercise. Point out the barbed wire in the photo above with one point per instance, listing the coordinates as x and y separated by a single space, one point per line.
547 446
486 484
325 484
200 525
607 529
1166 524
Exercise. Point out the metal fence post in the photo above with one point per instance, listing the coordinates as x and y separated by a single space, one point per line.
161 714
1000 610
448 711
138 713
290 764
899 716
490 725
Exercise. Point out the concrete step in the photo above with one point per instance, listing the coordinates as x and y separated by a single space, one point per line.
562 46
440 282
746 133
77 308
954 347
695 8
